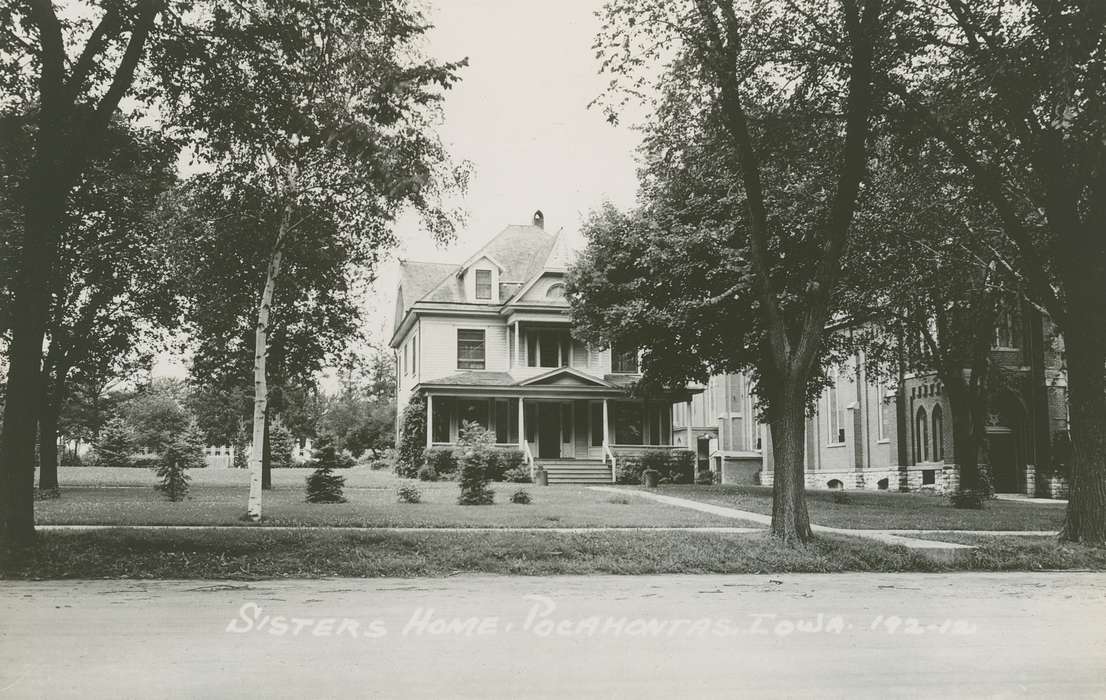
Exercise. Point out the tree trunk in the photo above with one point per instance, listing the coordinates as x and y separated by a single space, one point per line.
260 383
267 457
1086 355
30 310
790 520
966 439
48 442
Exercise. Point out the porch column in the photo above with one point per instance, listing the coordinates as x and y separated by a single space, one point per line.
429 421
521 426
518 346
607 443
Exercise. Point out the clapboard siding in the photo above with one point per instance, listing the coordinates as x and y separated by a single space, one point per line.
439 342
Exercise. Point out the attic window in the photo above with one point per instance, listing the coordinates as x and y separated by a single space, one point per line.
556 291
483 284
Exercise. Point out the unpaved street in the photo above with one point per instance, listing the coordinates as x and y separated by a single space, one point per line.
959 635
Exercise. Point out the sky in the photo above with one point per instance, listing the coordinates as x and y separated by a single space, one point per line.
520 116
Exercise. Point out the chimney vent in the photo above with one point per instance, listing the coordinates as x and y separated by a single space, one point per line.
539 219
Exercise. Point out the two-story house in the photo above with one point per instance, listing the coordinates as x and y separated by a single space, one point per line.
488 340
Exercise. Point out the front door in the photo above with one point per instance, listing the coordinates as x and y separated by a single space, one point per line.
1004 462
549 430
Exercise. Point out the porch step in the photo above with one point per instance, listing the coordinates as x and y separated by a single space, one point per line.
577 471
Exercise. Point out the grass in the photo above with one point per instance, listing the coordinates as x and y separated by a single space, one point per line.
883 510
217 499
258 553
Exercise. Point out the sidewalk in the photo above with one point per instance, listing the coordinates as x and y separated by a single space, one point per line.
351 528
935 549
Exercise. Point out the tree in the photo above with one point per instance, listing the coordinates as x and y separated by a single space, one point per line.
412 438
183 451
323 485
115 444
344 145
783 91
1014 91
108 294
282 444
363 415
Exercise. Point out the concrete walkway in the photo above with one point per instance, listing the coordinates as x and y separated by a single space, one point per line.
934 549
351 528
1022 498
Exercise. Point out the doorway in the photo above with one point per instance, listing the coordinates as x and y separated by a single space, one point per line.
1004 462
549 430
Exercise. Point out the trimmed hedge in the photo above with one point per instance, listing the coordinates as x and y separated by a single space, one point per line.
503 464
674 466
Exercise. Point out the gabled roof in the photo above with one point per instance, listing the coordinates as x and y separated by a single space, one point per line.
520 252
416 279
562 373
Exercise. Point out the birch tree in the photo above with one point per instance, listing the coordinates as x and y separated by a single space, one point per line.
344 142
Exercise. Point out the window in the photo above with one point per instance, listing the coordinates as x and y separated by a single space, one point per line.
834 412
938 434
403 369
506 421
414 355
881 413
929 477
472 411
921 437
556 291
548 348
442 409
628 421
483 284
1008 326
596 424
624 361
470 349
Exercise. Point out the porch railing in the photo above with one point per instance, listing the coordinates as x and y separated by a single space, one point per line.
609 453
529 458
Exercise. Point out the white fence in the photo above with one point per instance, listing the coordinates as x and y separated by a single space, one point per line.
222 456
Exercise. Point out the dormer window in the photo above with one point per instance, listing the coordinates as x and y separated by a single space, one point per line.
484 284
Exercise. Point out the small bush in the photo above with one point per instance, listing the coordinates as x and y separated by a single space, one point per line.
629 470
504 462
518 475
521 497
968 499
477 452
619 500
323 485
842 497
704 478
184 451
408 494
427 473
441 461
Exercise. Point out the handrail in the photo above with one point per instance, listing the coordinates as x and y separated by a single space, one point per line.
607 451
529 457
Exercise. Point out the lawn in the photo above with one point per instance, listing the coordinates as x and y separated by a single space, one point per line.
259 553
95 496
884 510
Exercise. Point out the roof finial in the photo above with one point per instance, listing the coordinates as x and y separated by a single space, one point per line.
539 219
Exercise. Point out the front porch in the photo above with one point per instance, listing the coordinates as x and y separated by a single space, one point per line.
576 439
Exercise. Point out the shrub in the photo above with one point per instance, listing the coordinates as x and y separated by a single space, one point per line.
705 478
184 451
629 470
412 438
507 461
241 460
281 446
441 461
427 473
968 499
619 500
681 467
518 475
842 497
408 494
521 497
115 445
323 485
477 452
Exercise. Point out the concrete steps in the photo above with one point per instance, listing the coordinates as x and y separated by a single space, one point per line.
577 471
